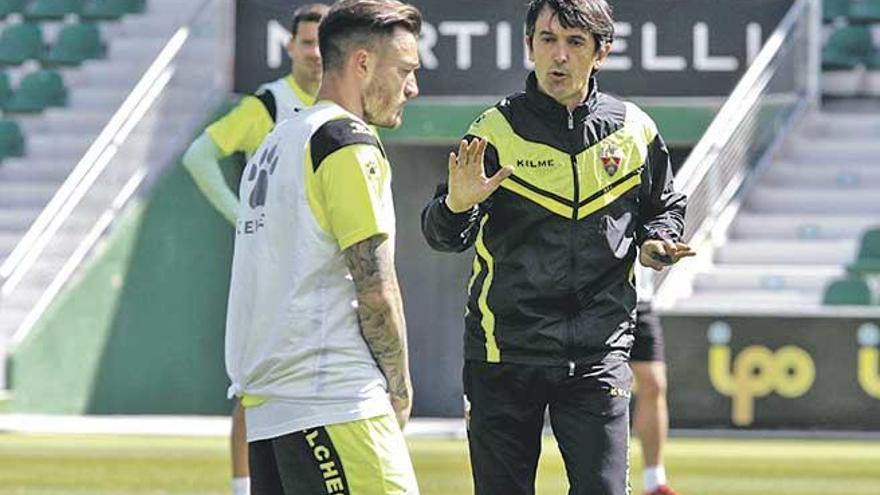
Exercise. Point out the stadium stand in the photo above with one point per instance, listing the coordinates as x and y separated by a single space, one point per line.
20 42
850 57
799 227
76 43
43 10
834 10
11 139
804 230
867 262
38 91
70 64
10 7
5 89
848 292
864 12
111 9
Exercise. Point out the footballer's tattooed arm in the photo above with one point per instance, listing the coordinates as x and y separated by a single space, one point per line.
380 312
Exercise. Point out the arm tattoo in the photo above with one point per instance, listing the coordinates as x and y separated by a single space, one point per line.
380 310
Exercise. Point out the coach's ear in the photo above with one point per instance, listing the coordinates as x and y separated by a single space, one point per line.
529 50
602 55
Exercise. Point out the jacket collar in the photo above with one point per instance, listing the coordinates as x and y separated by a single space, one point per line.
547 104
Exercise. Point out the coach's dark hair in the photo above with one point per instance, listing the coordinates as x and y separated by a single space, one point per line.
311 12
352 24
593 15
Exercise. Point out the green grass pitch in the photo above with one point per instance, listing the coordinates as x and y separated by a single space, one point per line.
121 465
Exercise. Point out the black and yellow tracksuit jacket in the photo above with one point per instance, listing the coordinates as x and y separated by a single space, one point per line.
552 280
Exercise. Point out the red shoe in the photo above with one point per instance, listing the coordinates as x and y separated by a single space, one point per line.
662 490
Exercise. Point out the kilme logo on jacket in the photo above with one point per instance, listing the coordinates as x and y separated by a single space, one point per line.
611 157
549 163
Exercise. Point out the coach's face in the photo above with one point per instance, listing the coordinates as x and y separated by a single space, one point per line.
564 58
392 80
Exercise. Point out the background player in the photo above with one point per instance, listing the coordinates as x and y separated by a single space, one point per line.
648 362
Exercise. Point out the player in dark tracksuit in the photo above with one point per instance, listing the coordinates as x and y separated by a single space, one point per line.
559 189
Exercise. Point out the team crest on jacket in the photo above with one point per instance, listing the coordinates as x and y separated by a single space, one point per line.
611 158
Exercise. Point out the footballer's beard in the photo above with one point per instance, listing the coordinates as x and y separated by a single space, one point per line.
379 106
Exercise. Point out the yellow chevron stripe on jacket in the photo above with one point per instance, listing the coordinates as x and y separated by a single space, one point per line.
543 174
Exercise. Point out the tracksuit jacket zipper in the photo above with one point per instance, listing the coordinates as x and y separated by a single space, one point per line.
571 246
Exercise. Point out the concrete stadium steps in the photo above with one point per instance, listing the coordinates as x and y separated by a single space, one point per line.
833 150
800 224
837 175
58 147
59 120
7 244
842 126
722 301
786 252
98 99
13 220
767 277
774 199
751 225
28 194
20 169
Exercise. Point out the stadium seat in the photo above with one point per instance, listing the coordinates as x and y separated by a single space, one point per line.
5 89
75 44
111 9
11 139
52 9
868 260
847 49
37 91
20 42
855 41
11 7
834 9
864 12
848 291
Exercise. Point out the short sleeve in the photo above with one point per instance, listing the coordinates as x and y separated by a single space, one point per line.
356 193
243 128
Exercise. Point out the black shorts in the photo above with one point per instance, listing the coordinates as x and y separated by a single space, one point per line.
363 457
648 345
589 411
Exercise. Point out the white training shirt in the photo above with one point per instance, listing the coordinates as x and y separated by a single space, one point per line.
318 184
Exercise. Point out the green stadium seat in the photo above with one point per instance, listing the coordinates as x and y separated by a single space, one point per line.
76 43
52 9
834 9
853 41
848 292
11 7
864 12
20 42
868 260
11 139
37 91
835 60
111 9
5 89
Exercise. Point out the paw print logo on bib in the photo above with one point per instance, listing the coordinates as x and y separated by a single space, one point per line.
260 171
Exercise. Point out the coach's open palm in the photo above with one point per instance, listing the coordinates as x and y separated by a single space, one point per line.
468 184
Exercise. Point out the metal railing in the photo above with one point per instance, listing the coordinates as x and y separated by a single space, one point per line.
780 85
146 133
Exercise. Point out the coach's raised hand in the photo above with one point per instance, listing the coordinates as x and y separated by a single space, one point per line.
468 184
